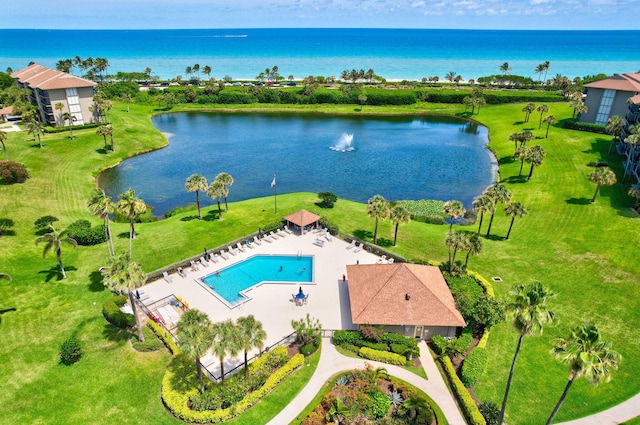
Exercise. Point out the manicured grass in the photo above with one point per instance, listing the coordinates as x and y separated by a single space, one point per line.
418 370
584 252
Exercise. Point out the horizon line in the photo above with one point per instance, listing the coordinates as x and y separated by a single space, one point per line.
322 28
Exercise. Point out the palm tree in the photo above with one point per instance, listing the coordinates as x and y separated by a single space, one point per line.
102 206
123 276
473 245
399 215
195 338
542 109
451 76
539 69
206 70
534 156
54 240
514 209
71 118
530 314
127 98
504 68
615 124
109 131
225 341
550 120
499 194
481 205
454 241
377 209
196 68
36 128
601 176
521 154
59 107
217 191
131 207
226 180
188 71
251 335
528 109
453 209
196 183
104 132
546 66
634 191
587 356
3 138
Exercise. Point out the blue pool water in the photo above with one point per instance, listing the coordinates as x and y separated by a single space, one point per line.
231 281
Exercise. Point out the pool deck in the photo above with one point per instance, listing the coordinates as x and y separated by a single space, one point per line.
271 304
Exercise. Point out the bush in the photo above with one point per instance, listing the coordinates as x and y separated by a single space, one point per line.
474 366
151 341
490 411
439 344
398 349
13 172
468 404
308 349
112 314
86 235
180 210
5 226
380 346
164 337
327 199
44 221
382 356
573 124
394 338
70 351
332 228
344 337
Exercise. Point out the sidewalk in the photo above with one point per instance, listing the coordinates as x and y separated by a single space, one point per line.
332 362
623 412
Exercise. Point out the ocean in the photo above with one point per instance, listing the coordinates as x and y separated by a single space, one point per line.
394 54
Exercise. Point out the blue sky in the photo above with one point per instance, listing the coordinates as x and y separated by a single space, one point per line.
471 14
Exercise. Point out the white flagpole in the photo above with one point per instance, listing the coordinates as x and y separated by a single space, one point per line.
275 198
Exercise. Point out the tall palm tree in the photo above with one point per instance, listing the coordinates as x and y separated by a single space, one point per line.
109 131
196 183
550 120
499 194
188 71
454 241
225 341
615 124
546 66
534 156
71 118
195 338
101 205
37 129
587 356
530 314
504 68
104 132
453 209
123 276
539 69
251 335
131 207
196 68
399 215
3 138
601 176
54 240
481 205
473 245
377 209
127 98
514 209
59 107
528 109
226 180
451 76
216 191
521 154
542 109
206 71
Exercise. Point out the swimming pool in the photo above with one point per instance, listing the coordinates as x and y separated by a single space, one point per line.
231 284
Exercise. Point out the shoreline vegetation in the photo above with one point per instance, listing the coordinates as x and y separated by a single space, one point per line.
589 269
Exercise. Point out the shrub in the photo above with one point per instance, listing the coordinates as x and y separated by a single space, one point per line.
474 366
111 312
490 411
345 337
180 210
327 199
394 338
308 349
151 341
398 348
439 344
164 337
44 222
483 341
332 228
86 235
5 226
381 403
70 351
468 404
380 346
13 172
382 356
573 124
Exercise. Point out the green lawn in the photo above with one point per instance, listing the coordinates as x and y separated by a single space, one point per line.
584 252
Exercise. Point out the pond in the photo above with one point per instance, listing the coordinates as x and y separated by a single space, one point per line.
399 157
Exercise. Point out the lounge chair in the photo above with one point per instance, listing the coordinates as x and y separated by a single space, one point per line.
390 261
257 241
359 247
224 254
143 297
328 237
316 230
214 257
267 238
181 272
382 259
286 229
233 251
318 242
240 247
168 278
353 243
273 235
207 361
282 233
204 262
249 244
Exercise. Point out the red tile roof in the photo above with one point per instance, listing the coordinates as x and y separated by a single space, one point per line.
378 295
302 218
623 82
38 76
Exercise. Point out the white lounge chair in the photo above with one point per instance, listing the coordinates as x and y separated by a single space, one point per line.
282 233
273 235
257 241
359 247
232 250
316 230
168 278
318 242
204 262
390 261
286 229
267 238
328 237
353 243
224 254
249 244
214 257
240 247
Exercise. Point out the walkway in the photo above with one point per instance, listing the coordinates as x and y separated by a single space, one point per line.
332 362
623 412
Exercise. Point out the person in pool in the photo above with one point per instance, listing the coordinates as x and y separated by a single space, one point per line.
303 270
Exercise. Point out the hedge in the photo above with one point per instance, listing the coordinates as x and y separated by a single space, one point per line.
177 402
394 338
585 126
164 337
380 346
474 366
112 313
488 287
466 401
439 344
382 356
483 341
62 129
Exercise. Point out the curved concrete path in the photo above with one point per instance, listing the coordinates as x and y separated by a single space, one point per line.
332 362
623 412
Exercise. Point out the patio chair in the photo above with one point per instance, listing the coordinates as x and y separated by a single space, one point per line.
168 278
318 242
286 229
248 243
214 257
257 241
282 233
328 237
224 254
204 262
267 238
240 247
273 235
353 243
359 247
390 261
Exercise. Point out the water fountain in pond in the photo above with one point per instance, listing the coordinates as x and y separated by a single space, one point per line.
344 143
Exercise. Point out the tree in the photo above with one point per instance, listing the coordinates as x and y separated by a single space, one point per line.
3 138
521 154
454 241
542 109
131 207
216 191
251 335
327 199
601 176
206 71
196 68
53 241
123 276
534 156
453 209
104 132
550 120
102 206
615 124
499 194
127 99
225 341
59 107
504 68
451 76
196 183
481 205
587 356
226 180
307 329
378 210
528 109
195 338
530 314
36 128
514 209
539 69
362 98
634 191
188 71
473 245
399 214
71 118
109 132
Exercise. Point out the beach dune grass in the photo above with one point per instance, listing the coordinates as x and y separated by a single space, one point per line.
575 248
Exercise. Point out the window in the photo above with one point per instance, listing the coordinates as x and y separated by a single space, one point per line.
605 106
73 100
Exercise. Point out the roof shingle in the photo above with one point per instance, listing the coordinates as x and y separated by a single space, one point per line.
623 82
41 77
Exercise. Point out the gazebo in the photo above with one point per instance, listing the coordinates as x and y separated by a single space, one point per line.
302 219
